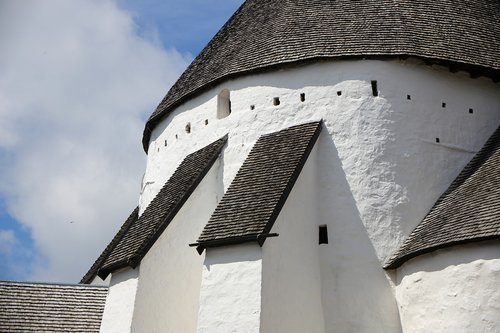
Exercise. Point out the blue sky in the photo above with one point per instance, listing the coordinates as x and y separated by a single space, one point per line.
78 79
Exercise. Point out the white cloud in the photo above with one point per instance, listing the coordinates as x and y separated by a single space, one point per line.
7 242
76 85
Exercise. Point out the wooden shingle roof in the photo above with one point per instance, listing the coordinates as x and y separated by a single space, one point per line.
264 35
32 307
469 210
251 204
138 238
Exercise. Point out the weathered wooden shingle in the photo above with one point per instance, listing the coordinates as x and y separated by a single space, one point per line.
32 307
145 230
468 211
265 34
251 204
92 272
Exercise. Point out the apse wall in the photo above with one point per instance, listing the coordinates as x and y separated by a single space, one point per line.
401 131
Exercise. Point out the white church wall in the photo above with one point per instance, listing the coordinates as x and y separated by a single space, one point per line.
451 290
230 295
168 294
357 295
387 144
291 283
120 302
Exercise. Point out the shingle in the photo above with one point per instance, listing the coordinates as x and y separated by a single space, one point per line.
261 186
146 229
468 211
91 274
264 34
31 307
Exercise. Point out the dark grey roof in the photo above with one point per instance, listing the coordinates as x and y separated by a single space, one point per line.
468 211
32 307
254 199
265 34
145 230
91 274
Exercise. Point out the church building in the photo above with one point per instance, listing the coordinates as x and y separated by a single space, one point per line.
321 166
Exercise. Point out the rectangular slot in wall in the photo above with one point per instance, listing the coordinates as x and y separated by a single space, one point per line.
374 88
323 234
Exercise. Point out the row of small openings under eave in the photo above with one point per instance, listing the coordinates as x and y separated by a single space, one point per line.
443 104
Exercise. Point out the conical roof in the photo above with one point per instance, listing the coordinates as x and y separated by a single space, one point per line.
265 34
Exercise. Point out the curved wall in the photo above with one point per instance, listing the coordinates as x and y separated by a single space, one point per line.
451 290
386 144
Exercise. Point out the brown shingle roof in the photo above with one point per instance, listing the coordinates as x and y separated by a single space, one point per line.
145 230
266 34
468 211
251 204
92 272
32 307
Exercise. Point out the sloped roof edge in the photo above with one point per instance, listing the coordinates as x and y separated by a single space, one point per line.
476 185
255 197
143 232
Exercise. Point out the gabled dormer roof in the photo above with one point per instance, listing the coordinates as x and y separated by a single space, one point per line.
254 199
469 211
264 35
138 234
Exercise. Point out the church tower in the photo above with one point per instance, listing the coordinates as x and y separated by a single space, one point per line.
321 166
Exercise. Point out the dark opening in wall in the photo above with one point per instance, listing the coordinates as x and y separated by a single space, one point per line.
176 136
276 101
374 88
252 107
302 97
408 97
206 121
437 140
443 104
323 234
188 128
471 110
339 93
223 104
165 143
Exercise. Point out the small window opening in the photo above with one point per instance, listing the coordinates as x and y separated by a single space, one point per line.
339 93
223 104
374 88
252 107
206 121
408 97
176 136
471 110
302 97
443 104
437 140
166 143
276 101
323 234
188 128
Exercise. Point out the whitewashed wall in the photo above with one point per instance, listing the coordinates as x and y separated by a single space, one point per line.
381 168
291 281
168 294
451 290
230 295
120 302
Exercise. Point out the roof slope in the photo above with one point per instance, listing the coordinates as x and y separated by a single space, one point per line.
31 307
252 202
263 34
144 231
468 211
92 272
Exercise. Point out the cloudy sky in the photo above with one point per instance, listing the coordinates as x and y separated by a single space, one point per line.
78 79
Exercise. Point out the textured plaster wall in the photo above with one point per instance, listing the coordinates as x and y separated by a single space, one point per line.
291 282
386 144
117 316
230 295
451 290
380 168
168 294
